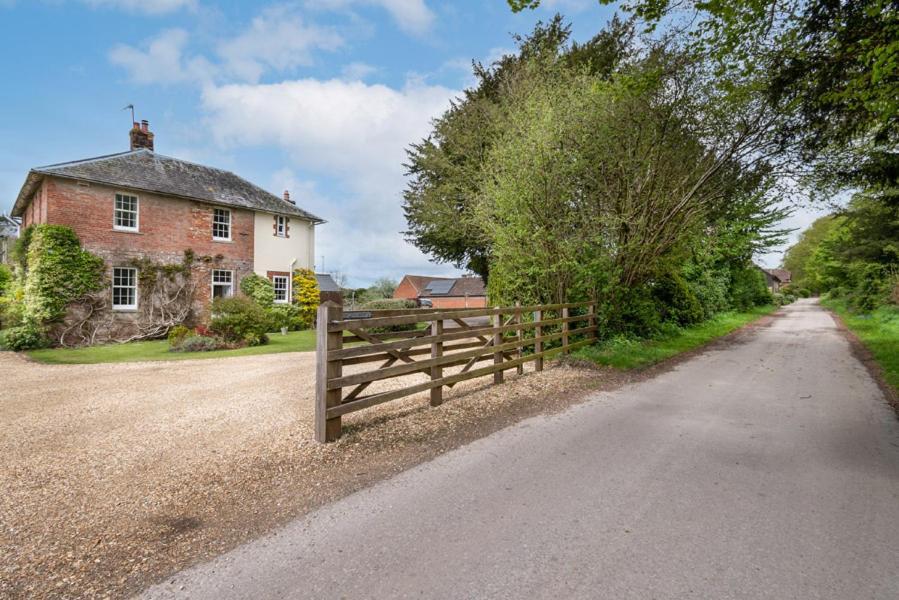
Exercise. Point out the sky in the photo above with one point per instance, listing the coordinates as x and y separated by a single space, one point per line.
318 97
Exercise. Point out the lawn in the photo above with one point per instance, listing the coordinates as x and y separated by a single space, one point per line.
878 331
294 341
629 353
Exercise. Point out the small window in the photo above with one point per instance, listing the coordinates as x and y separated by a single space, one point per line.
221 224
281 226
125 212
124 288
280 284
222 283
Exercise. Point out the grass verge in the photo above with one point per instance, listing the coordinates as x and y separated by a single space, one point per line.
878 331
294 341
630 353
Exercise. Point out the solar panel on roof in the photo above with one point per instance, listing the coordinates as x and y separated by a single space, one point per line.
440 286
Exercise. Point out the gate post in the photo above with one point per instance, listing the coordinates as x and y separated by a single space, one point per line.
538 343
497 342
565 314
327 430
436 352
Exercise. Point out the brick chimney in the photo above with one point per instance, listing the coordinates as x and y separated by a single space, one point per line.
287 197
141 136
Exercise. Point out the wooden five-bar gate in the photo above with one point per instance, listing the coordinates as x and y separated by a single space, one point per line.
507 336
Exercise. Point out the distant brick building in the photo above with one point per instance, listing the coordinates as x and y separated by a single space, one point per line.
443 292
143 205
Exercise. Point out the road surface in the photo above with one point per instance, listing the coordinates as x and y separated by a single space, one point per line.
767 468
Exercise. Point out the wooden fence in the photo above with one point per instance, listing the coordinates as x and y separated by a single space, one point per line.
508 336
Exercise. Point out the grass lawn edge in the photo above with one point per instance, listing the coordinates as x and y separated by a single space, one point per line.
629 355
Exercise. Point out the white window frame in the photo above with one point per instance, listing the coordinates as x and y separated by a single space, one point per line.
286 279
215 212
134 286
280 226
116 210
229 283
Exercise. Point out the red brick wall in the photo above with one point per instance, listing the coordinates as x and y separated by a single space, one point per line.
405 290
167 227
459 302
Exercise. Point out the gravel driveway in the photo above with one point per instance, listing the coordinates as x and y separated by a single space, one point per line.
115 475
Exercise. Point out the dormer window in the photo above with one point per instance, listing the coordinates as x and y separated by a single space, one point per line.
221 224
126 213
281 226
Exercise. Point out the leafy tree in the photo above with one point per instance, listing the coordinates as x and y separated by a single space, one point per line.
797 256
382 288
446 169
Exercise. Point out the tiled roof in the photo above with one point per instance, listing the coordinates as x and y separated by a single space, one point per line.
143 169
447 286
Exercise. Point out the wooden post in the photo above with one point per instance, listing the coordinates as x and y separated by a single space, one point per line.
519 336
538 345
327 430
591 310
436 372
565 313
497 342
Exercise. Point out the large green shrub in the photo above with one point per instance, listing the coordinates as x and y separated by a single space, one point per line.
390 304
287 315
676 300
240 320
748 288
259 288
23 337
58 272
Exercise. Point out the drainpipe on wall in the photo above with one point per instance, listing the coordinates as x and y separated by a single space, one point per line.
290 281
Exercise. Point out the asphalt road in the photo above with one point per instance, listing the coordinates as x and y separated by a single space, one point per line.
765 469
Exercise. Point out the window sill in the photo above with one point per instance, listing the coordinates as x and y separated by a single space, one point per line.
120 230
124 310
222 241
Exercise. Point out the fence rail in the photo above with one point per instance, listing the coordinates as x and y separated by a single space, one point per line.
510 337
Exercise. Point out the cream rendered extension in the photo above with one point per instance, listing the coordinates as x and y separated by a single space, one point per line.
284 254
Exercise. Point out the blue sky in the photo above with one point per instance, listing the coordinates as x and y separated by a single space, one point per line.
317 96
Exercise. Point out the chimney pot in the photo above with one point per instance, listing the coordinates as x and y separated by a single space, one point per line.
141 136
287 197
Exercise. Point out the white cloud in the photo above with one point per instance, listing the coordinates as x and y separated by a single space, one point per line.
350 131
161 61
412 16
155 7
276 39
357 71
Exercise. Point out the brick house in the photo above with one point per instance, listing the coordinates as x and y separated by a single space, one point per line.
142 205
444 292
775 279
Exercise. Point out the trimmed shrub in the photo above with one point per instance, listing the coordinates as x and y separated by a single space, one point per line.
240 320
177 335
390 304
306 295
287 315
259 289
676 301
198 343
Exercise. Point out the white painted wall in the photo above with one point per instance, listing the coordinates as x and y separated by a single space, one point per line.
272 253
